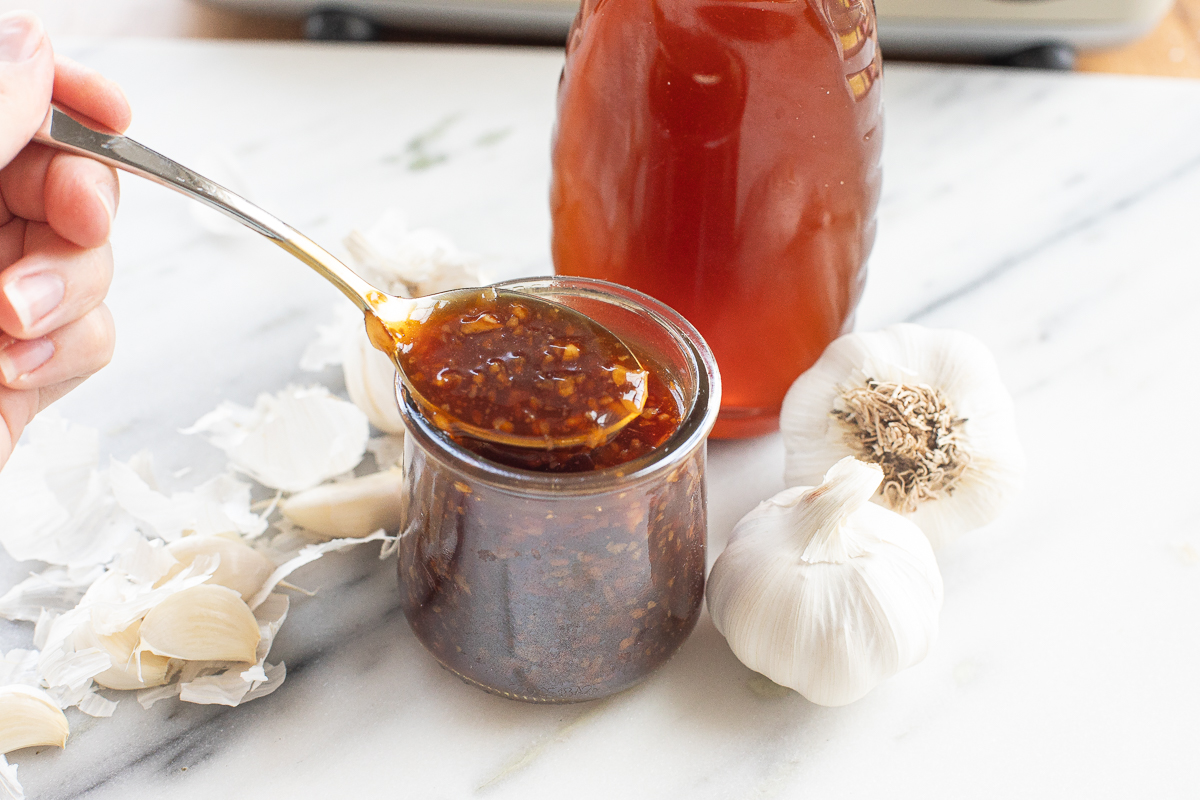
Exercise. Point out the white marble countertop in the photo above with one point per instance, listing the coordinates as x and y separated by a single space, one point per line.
1054 216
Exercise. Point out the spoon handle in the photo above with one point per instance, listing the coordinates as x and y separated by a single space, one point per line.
66 133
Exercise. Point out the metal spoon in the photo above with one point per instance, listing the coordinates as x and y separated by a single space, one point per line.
400 326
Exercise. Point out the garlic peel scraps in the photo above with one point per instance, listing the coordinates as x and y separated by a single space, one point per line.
824 592
57 507
54 589
146 589
10 787
216 506
19 667
410 261
927 405
292 440
307 555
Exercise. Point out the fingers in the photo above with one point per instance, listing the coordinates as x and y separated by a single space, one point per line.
53 284
84 90
75 195
56 214
71 352
26 80
18 407
16 410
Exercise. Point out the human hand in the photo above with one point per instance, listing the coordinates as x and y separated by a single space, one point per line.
56 213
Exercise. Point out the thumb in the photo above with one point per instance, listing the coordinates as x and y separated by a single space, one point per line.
26 80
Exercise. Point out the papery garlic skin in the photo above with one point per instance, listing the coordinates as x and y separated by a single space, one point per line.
955 367
219 505
29 718
826 593
307 555
291 440
407 261
56 505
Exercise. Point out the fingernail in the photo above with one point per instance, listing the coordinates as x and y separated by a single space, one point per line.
108 198
20 358
20 36
34 297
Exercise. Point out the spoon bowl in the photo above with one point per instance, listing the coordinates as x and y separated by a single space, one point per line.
491 364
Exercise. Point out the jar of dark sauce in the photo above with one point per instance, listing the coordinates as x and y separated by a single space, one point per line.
551 576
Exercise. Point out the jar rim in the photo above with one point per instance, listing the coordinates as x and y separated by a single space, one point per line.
697 423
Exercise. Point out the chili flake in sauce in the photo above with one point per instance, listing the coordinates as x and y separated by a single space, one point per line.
526 369
660 417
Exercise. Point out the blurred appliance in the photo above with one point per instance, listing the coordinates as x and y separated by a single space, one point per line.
964 28
536 18
974 28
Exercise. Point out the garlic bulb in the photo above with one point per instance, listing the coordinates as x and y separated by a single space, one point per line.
29 718
351 508
928 406
824 592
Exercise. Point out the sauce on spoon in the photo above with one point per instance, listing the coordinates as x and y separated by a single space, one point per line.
517 371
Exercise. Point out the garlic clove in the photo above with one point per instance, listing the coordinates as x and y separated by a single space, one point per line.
929 406
203 623
350 509
117 600
824 592
371 382
241 567
29 718
232 686
130 668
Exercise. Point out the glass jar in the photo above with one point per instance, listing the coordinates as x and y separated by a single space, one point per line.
723 156
561 587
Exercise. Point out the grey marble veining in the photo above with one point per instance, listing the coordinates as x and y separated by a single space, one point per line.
1053 216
